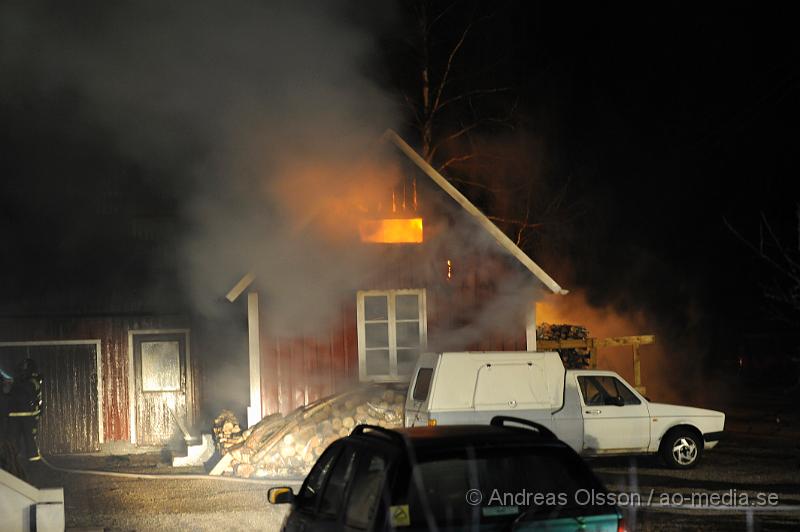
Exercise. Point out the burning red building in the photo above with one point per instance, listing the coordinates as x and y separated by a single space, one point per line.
439 275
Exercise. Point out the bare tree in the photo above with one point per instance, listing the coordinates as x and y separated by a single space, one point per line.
440 89
783 289
461 101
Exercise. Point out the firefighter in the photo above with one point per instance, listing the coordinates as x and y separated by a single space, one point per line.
5 403
9 461
26 409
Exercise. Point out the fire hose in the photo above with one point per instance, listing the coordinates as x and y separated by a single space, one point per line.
146 476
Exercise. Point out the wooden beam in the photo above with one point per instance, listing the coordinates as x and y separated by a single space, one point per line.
625 340
547 345
594 343
637 367
487 224
240 287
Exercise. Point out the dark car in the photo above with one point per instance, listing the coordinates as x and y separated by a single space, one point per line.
486 477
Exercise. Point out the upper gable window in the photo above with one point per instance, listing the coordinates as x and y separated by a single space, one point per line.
392 330
391 231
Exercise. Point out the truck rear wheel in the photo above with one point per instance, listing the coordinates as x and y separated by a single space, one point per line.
681 449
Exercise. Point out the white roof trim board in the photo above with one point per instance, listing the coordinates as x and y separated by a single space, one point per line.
481 218
240 287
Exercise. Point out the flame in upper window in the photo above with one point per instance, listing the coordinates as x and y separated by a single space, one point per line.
391 231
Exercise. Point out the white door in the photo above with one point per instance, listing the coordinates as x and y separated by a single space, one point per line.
614 419
161 399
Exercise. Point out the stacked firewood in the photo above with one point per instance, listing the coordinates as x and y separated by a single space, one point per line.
288 446
572 358
227 431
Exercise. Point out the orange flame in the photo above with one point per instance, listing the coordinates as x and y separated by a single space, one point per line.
604 322
391 231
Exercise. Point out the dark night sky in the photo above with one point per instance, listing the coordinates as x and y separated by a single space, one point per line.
674 118
667 118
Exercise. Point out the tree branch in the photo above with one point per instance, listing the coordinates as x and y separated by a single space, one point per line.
453 136
515 222
469 94
440 15
761 253
470 183
784 254
455 160
449 65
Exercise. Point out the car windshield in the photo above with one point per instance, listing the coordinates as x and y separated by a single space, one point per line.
498 485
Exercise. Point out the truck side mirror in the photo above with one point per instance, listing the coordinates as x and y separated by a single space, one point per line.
614 401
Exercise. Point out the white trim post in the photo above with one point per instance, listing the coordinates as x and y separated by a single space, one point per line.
131 391
254 413
530 327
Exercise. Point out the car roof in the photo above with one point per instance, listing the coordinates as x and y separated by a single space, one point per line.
456 436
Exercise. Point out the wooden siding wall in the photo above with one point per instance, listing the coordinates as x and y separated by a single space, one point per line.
298 370
113 334
76 406
69 419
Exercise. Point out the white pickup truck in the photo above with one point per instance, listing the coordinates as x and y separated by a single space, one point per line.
595 412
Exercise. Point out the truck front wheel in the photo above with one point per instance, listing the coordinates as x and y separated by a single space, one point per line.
681 449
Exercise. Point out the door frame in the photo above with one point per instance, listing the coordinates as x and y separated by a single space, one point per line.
132 375
98 363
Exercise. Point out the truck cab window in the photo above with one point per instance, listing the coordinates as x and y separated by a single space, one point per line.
592 395
624 393
599 390
422 384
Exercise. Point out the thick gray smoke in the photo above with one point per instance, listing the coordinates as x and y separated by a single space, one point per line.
258 115
245 108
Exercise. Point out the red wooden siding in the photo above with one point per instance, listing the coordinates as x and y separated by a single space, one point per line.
299 369
113 334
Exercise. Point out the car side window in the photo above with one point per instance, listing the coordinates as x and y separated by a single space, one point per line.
367 490
625 394
338 481
605 390
592 394
309 493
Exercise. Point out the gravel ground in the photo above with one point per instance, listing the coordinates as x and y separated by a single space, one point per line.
122 504
760 454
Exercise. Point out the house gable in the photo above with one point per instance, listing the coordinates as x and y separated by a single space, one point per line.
470 283
505 242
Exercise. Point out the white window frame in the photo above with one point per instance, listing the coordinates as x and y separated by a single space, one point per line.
362 351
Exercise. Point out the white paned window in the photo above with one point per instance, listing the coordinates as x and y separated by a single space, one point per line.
392 331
